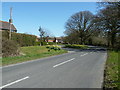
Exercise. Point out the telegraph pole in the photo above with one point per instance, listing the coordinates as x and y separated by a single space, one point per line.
10 22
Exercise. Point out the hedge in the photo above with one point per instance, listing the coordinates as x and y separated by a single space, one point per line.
21 39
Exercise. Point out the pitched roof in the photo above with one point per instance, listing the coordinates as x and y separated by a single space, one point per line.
5 25
55 37
58 38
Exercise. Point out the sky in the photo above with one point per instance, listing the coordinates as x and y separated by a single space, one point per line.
51 16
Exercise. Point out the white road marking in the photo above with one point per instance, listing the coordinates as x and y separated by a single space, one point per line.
14 82
84 54
29 61
63 62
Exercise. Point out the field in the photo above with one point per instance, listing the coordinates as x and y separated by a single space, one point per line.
31 53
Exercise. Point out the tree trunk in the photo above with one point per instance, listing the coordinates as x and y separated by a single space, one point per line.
113 36
108 39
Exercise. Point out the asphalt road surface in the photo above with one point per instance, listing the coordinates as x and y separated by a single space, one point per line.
76 69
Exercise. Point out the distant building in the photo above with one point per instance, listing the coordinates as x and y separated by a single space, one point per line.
55 39
37 39
59 39
5 26
51 39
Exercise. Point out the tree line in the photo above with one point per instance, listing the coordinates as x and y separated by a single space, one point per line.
100 29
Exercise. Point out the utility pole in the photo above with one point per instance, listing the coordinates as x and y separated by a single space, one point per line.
10 23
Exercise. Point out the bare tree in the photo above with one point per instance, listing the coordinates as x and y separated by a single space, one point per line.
42 35
80 23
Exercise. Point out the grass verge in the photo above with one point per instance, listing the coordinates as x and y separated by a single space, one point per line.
31 53
112 74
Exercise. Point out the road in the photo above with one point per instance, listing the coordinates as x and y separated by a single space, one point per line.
76 69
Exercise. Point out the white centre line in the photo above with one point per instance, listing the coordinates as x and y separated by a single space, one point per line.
84 54
63 62
14 82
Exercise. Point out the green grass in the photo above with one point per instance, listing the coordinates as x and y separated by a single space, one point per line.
112 75
31 53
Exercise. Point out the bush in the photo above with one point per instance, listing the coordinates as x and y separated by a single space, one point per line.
9 48
5 34
53 47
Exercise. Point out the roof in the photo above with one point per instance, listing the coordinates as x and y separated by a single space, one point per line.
6 25
58 38
55 37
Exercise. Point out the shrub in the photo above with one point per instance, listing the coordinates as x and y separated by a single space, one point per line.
5 34
9 48
53 47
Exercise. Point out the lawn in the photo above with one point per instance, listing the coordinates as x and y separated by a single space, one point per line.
31 53
112 74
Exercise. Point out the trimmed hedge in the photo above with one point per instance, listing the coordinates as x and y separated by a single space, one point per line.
21 39
24 39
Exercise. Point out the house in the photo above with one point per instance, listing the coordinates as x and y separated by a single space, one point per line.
55 39
51 39
46 39
5 26
59 39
